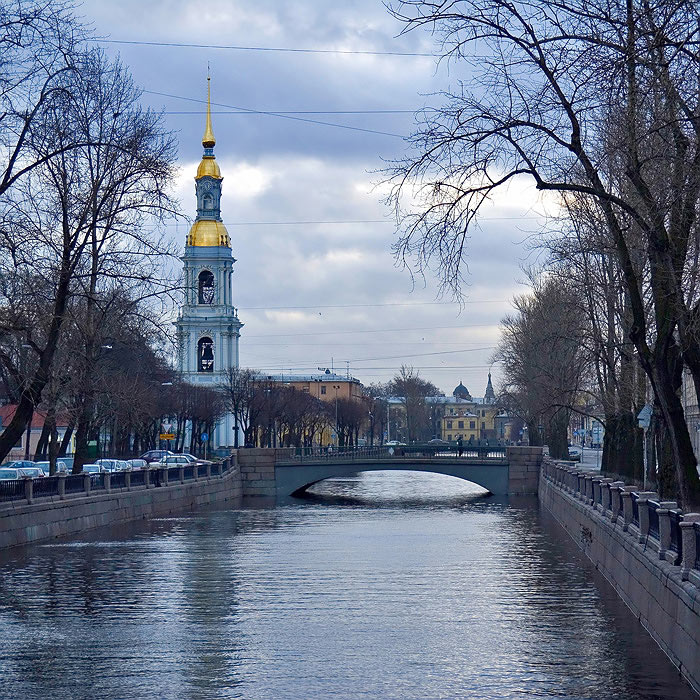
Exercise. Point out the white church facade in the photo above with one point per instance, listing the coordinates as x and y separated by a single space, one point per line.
208 329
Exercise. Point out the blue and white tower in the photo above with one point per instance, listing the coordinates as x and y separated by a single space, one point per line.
208 328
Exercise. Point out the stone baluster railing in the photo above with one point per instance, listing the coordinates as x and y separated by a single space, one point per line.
614 501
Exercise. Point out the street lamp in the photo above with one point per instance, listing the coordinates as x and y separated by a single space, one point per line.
25 347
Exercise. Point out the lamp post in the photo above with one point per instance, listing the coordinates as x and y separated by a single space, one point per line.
25 347
337 436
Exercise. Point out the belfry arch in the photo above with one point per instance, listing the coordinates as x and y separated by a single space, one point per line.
205 287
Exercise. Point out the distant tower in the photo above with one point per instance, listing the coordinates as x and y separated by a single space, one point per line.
490 394
208 328
461 392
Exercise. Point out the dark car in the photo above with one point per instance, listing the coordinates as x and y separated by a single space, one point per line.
155 455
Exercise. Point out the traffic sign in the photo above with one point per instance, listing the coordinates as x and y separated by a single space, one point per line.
204 437
167 436
644 417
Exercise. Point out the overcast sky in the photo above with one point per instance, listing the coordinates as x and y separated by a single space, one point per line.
314 293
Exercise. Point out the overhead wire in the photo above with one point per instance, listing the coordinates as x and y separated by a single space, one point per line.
277 114
271 49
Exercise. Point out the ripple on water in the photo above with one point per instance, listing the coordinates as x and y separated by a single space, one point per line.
388 585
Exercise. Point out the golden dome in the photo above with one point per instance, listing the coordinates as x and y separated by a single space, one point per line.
207 232
209 167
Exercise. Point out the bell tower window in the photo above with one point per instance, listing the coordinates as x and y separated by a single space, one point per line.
206 287
205 355
207 202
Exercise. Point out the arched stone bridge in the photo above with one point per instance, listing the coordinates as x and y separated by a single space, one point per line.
285 472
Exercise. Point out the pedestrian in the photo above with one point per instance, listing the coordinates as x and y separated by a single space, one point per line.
460 445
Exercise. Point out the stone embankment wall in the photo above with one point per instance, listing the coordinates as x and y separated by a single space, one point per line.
43 518
524 464
646 548
257 465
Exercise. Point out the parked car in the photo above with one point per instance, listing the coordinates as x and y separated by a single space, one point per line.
137 463
394 443
193 459
46 466
20 464
438 441
575 454
92 469
155 455
123 465
108 465
35 472
9 474
175 460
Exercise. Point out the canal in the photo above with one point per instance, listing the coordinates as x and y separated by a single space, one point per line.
389 585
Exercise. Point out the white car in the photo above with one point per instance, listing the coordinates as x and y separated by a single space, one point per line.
34 472
46 466
92 469
174 460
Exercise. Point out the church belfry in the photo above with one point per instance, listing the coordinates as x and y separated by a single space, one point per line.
208 328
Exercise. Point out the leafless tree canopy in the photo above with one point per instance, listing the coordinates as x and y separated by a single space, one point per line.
597 100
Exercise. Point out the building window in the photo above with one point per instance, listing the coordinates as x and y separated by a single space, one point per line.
449 425
483 414
449 437
483 425
472 425
207 202
206 287
323 389
460 424
205 355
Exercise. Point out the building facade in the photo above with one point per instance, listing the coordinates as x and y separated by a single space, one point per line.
474 419
208 328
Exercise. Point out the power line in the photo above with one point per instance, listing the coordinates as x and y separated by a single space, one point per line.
278 49
420 354
287 368
304 111
352 306
376 330
278 114
351 221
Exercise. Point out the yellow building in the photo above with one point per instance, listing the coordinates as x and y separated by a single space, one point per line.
326 386
472 419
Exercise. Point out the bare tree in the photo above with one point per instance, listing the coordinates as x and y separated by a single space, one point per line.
77 219
560 93
408 386
543 362
239 387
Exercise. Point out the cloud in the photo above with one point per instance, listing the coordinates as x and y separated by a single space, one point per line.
352 301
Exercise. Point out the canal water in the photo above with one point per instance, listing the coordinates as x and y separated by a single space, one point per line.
389 586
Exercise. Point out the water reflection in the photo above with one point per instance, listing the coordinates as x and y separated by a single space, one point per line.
396 488
392 585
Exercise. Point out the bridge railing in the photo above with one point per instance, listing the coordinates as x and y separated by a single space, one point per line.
305 455
660 526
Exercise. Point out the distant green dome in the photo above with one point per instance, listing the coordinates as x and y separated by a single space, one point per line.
461 392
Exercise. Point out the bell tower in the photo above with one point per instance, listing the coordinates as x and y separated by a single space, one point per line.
208 328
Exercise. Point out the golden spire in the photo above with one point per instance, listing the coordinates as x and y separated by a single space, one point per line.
208 139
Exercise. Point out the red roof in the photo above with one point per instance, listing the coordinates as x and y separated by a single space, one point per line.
8 411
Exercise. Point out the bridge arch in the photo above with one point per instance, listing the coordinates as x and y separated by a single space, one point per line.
294 480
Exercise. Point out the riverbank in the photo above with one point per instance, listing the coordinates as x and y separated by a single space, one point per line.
651 564
77 504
